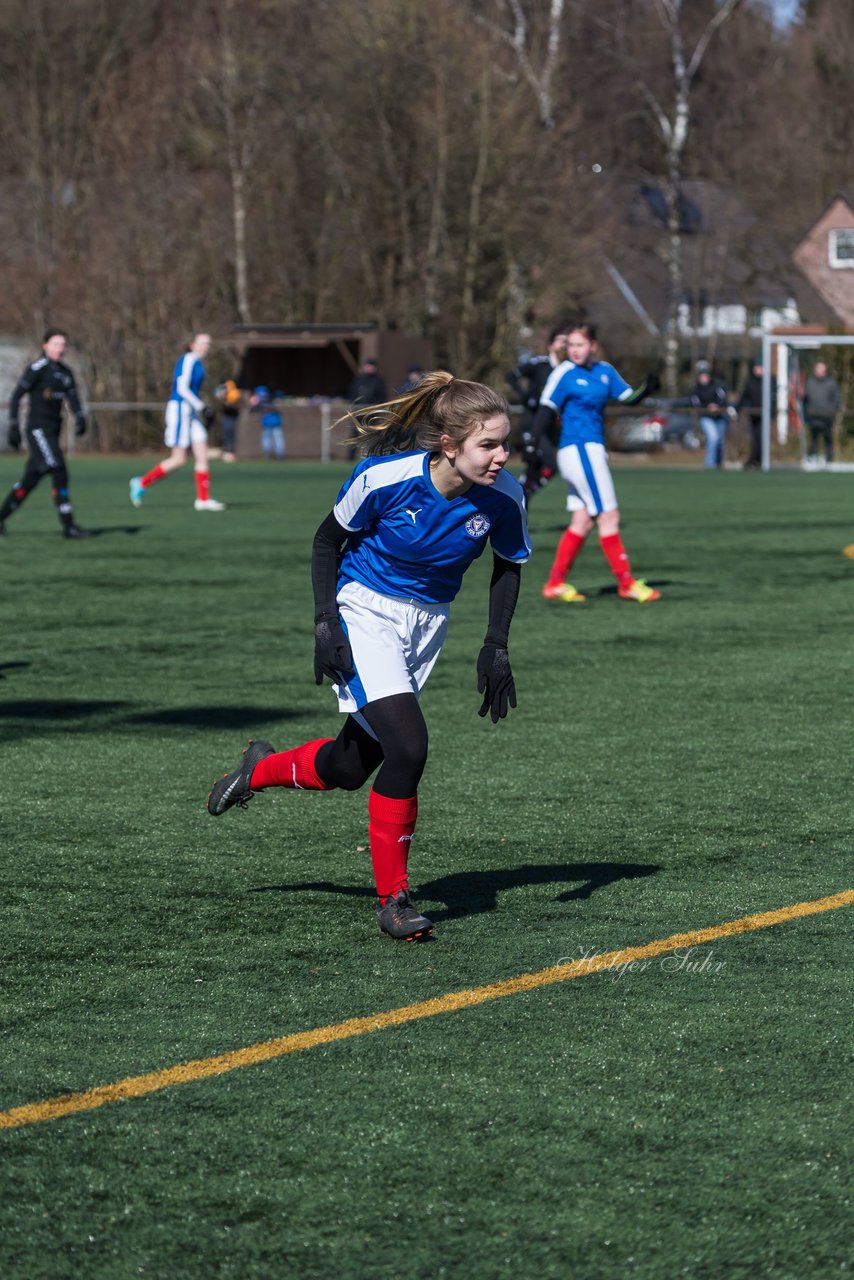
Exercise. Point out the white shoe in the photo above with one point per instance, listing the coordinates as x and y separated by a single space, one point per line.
208 504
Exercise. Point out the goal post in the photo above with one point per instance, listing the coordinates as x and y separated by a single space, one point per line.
786 344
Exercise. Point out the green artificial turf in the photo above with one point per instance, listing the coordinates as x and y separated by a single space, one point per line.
669 767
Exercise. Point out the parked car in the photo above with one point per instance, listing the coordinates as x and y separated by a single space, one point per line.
658 424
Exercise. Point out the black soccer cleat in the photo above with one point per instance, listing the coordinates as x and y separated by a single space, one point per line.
399 919
234 787
74 531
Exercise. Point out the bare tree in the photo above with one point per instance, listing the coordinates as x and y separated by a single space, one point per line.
674 124
539 78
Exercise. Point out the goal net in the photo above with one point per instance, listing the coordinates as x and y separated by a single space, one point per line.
787 361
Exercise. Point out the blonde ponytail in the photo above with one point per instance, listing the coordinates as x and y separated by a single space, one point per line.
438 405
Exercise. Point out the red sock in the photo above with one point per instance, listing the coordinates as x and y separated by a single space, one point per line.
156 473
567 549
390 827
291 769
203 485
615 554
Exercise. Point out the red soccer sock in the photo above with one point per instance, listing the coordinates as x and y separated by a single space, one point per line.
291 769
390 827
203 485
152 476
567 549
615 554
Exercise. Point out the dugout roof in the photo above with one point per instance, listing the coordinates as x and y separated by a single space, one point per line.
322 359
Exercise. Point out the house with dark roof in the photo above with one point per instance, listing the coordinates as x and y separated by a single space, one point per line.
739 281
826 257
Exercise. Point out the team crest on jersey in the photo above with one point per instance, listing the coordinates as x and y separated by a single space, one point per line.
478 526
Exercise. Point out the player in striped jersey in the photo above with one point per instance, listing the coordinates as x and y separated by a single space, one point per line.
387 562
187 421
577 392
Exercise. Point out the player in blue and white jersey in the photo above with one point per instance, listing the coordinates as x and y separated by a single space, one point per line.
187 422
387 561
577 392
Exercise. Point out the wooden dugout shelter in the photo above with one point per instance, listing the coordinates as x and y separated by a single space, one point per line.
312 365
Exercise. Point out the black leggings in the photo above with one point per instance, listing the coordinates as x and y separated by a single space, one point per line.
821 429
399 749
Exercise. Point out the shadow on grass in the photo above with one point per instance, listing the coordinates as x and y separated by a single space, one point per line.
59 709
106 530
42 715
243 719
470 893
11 666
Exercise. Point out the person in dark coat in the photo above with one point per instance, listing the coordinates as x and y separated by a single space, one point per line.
367 388
528 380
710 395
822 399
750 404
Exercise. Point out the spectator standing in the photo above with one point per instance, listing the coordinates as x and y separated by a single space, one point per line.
710 395
229 396
272 423
48 384
528 380
750 404
822 398
414 374
187 420
367 388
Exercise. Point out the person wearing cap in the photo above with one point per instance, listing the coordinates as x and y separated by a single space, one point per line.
710 396
414 374
367 388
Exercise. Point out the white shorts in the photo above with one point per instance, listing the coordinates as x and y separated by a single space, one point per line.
585 469
395 644
183 427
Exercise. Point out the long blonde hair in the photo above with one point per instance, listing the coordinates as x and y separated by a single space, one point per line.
439 405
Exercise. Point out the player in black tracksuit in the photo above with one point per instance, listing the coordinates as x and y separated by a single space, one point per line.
539 456
49 384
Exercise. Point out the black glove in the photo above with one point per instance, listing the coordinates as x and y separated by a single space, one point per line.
529 446
80 429
207 416
653 384
495 681
332 654
14 436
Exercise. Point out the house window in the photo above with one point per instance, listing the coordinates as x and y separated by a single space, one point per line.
841 247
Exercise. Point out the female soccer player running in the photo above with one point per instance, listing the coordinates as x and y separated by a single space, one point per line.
416 512
577 392
187 420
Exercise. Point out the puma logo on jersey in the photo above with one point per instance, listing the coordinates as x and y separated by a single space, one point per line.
409 511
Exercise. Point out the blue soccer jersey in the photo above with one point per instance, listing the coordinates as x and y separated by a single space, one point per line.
187 381
578 396
409 541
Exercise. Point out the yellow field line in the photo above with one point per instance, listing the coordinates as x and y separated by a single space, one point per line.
185 1072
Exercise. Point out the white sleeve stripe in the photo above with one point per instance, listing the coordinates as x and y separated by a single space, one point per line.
628 392
551 385
184 384
381 475
512 559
